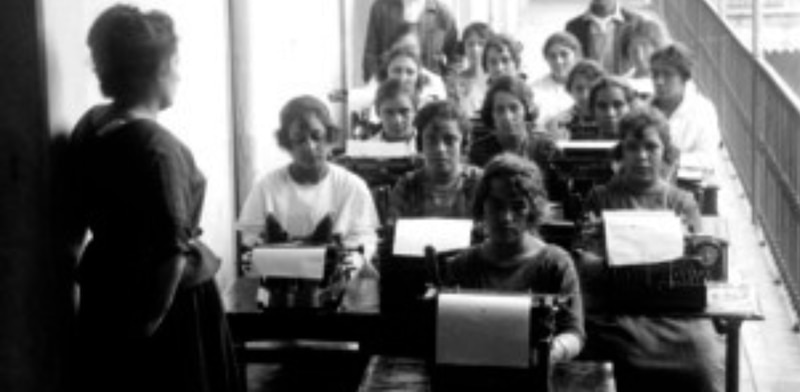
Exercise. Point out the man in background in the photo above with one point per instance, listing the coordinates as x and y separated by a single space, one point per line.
598 30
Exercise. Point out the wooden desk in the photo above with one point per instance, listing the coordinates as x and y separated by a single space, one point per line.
729 305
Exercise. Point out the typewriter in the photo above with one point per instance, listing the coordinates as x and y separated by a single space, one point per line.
581 165
677 285
300 273
491 359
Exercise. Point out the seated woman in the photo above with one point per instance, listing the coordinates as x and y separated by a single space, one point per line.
561 50
396 105
502 56
578 118
693 121
649 353
511 201
509 114
638 41
468 86
610 99
401 62
445 186
310 199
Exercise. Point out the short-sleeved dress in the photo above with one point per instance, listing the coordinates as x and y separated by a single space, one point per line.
137 189
652 353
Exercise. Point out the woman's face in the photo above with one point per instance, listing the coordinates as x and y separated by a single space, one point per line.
404 69
560 58
639 51
609 106
396 115
441 147
579 90
667 81
643 157
499 61
308 143
508 113
473 48
506 212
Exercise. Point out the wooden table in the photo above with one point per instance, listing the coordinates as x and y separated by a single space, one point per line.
393 338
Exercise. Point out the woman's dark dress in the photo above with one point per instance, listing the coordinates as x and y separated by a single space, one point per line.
136 187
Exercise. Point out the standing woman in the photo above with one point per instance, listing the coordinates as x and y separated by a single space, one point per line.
148 320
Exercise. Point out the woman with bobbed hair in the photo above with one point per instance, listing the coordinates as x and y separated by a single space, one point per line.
509 113
638 41
511 202
445 185
150 316
502 56
610 99
562 51
649 353
583 75
310 190
468 86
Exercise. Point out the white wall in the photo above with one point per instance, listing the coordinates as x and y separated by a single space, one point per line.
201 115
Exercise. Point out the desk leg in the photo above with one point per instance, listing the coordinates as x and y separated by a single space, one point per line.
732 330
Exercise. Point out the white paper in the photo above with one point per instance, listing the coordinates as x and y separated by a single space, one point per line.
411 236
586 144
300 263
642 237
377 149
483 329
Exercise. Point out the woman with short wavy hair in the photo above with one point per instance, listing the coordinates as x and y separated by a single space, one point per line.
148 319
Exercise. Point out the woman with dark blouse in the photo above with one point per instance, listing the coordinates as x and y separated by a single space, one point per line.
146 320
649 353
511 201
445 186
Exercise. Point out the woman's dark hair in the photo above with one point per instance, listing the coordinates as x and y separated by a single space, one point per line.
301 109
439 111
392 88
590 69
402 51
646 29
608 82
526 179
500 42
637 120
563 38
675 55
514 86
480 29
129 47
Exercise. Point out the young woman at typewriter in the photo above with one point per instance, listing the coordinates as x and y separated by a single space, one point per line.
402 62
445 186
502 56
149 319
396 105
649 353
610 98
511 201
509 115
561 51
310 199
577 121
468 85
